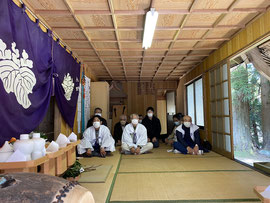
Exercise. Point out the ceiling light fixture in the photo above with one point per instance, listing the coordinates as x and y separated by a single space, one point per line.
149 27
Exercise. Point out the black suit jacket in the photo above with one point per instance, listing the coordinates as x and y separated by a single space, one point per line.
117 133
153 127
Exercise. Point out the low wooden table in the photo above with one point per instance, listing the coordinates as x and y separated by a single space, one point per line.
54 163
258 190
71 154
24 166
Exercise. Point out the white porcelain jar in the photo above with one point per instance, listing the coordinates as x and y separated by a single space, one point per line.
25 146
5 152
39 146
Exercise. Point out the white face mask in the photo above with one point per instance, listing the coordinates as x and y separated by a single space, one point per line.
134 121
150 115
140 121
187 124
96 124
98 114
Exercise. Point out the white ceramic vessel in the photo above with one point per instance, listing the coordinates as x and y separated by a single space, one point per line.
62 140
53 147
5 152
24 145
39 146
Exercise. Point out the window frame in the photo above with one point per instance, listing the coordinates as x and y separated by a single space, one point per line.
194 100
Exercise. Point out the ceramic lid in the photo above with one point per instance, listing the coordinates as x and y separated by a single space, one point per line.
36 135
24 137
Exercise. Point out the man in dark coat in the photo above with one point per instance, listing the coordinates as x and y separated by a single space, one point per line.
153 126
97 112
118 129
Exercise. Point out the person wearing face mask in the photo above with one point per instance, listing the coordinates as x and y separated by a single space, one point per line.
97 140
188 137
153 126
177 119
134 138
140 118
97 112
119 128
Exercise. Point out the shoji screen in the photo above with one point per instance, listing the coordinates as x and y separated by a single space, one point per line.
221 122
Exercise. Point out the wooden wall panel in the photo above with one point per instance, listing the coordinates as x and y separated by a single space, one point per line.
161 113
99 97
137 103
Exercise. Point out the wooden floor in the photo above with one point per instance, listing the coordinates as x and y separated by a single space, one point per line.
166 177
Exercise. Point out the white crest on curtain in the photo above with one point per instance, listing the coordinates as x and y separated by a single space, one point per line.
15 73
68 86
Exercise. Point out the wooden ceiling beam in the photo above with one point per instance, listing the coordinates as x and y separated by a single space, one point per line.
143 12
110 4
154 40
97 28
153 49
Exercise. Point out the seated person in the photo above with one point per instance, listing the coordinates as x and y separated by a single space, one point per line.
134 138
153 126
188 137
119 128
97 112
140 118
97 140
177 119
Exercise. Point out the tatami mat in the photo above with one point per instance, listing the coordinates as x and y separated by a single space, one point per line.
162 153
185 164
166 177
187 186
101 190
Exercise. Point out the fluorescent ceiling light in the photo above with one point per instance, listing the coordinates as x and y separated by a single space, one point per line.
149 27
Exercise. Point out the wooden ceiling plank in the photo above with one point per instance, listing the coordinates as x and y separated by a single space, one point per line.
191 8
72 12
110 3
184 20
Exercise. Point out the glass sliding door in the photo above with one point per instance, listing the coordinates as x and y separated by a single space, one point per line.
220 111
195 105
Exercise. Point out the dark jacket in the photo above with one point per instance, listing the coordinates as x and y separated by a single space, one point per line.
117 132
90 122
186 141
153 127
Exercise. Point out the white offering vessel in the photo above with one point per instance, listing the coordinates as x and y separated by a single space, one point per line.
5 152
25 146
72 137
53 147
39 146
62 140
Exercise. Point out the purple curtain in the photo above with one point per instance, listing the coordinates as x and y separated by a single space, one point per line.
25 72
27 69
67 81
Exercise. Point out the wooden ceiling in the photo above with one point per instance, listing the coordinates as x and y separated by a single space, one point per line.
107 34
